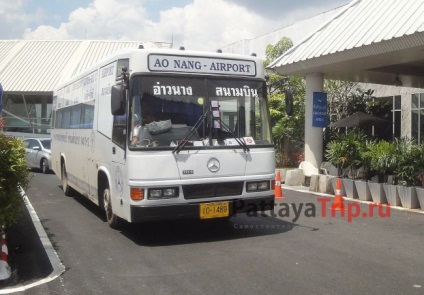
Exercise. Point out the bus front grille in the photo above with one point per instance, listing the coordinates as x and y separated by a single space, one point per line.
210 190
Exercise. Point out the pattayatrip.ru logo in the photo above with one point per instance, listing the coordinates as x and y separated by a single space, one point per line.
324 208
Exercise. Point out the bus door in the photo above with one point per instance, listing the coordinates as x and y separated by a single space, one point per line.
118 171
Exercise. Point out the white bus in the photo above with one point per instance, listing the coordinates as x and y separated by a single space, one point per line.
153 134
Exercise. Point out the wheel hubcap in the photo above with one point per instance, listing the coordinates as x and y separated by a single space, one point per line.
106 202
64 180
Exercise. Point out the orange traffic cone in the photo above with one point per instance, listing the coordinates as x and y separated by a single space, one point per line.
5 270
338 200
278 192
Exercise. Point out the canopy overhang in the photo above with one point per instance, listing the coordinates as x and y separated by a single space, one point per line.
344 50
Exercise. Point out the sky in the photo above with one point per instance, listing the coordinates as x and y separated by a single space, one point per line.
194 24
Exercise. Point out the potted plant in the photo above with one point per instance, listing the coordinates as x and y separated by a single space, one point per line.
381 161
363 163
389 182
336 155
344 152
406 172
419 162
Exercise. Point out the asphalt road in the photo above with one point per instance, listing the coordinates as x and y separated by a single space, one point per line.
247 255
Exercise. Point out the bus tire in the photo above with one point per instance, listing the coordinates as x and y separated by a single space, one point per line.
113 220
65 185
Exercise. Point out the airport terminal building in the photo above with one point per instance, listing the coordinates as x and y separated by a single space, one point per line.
31 69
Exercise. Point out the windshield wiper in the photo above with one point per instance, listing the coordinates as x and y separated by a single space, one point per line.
190 133
239 140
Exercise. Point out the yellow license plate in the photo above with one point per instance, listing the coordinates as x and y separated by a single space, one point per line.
214 210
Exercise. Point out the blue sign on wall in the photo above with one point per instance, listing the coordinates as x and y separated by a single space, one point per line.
319 110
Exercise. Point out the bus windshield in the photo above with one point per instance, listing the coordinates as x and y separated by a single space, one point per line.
199 111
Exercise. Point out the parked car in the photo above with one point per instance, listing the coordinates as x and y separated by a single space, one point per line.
38 153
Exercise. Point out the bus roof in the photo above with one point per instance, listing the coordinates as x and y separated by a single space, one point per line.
164 60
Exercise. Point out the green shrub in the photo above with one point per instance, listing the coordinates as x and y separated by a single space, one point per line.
381 157
407 168
14 175
345 151
290 160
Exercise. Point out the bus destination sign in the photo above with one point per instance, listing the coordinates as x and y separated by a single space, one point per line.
201 65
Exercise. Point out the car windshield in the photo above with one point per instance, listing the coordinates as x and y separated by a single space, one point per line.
46 143
201 112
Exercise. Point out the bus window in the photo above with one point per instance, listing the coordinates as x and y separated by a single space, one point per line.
176 104
119 130
66 117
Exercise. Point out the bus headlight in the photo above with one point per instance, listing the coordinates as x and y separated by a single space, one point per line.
263 186
252 186
170 193
163 193
256 186
155 193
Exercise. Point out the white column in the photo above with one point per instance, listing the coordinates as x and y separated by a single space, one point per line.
313 135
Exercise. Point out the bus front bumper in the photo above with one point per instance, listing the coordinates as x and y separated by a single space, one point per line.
192 210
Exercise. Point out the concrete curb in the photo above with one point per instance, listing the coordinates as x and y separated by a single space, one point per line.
305 190
58 267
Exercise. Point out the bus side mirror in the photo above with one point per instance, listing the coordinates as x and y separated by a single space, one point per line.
289 102
117 101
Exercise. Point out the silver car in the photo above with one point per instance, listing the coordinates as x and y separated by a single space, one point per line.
38 153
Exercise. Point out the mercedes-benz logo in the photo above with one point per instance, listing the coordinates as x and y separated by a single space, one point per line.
213 165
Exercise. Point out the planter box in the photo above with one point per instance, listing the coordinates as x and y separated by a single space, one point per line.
420 195
350 188
324 184
363 190
408 197
377 192
314 183
294 177
392 195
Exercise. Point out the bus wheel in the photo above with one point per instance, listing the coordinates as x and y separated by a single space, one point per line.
112 219
44 166
65 186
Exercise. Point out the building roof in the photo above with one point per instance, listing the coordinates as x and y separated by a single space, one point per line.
369 41
295 31
38 66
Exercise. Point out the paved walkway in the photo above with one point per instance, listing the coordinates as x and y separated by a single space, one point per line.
33 259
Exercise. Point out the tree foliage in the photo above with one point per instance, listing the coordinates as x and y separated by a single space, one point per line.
345 151
339 96
14 175
276 82
346 98
286 132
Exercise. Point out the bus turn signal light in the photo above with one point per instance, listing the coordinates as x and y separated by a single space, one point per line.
137 194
